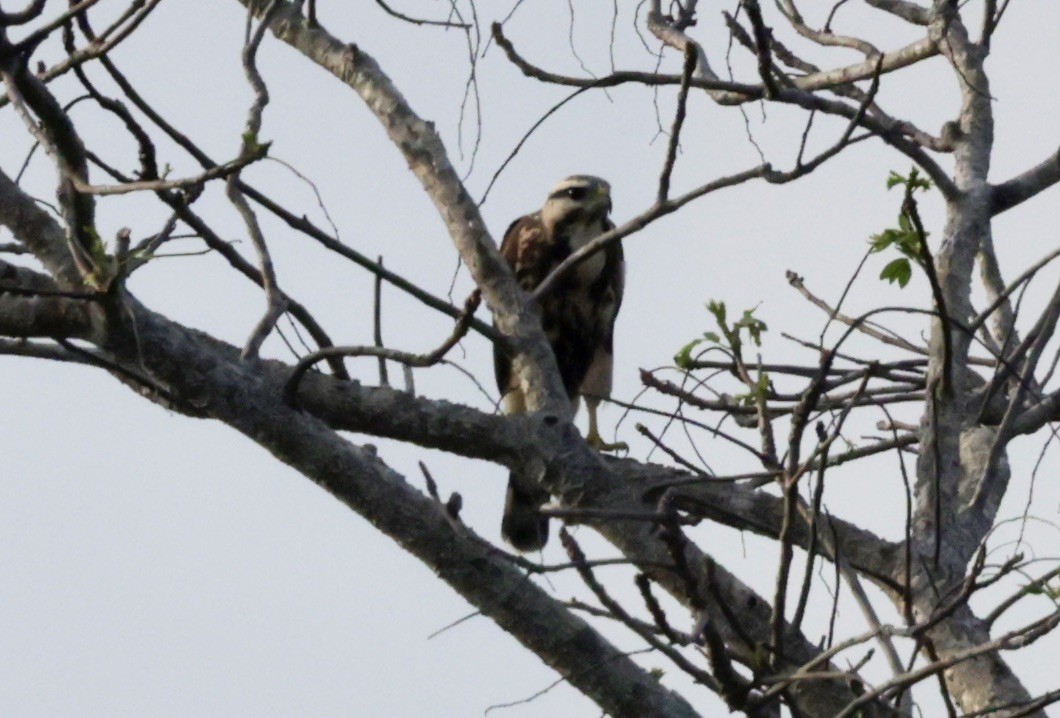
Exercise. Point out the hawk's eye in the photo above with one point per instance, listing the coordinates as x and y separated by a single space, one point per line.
577 193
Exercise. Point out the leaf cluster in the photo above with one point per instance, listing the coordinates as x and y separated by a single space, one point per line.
730 337
905 238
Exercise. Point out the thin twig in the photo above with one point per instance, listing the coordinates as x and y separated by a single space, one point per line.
276 303
578 558
377 323
909 207
290 391
679 119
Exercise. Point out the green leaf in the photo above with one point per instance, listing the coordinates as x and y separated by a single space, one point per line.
727 337
752 324
909 245
762 386
718 310
916 182
899 270
683 358
883 240
905 237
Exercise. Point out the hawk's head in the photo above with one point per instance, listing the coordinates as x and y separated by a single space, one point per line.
580 199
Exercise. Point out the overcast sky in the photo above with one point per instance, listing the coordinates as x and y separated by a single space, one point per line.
155 565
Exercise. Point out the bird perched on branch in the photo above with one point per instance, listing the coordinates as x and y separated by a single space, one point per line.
578 317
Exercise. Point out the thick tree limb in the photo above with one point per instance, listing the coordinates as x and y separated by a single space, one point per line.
908 11
33 305
229 389
1025 186
40 350
37 231
28 317
1038 415
956 453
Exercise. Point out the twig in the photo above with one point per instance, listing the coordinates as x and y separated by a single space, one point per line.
811 550
679 119
762 45
864 327
100 46
578 515
656 610
640 222
621 77
377 323
276 303
646 432
1027 590
38 36
217 172
578 558
290 391
32 12
1013 639
418 21
909 207
682 639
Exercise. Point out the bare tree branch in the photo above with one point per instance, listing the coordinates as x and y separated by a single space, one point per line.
38 315
230 390
1023 187
908 11
33 10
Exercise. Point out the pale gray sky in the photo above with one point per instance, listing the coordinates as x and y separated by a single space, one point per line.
153 565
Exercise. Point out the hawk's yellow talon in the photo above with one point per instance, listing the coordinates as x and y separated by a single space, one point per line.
597 442
594 439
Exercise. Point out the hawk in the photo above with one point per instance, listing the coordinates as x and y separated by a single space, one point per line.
578 318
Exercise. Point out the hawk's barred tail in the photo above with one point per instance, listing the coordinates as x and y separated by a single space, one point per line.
523 526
